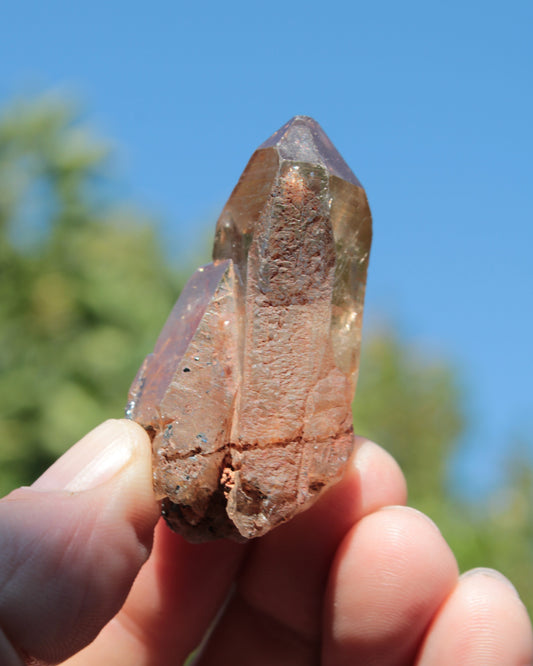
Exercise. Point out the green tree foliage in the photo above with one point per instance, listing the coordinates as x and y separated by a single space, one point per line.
412 406
84 290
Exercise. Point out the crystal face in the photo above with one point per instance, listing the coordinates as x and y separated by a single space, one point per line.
248 393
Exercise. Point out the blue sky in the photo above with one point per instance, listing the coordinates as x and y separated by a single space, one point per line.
430 103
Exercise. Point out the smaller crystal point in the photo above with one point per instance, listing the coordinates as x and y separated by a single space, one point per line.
248 392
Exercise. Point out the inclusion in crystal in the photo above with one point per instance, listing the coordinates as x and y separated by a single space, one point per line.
248 393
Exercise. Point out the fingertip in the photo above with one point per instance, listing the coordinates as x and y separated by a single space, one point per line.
480 572
391 574
381 479
97 457
482 621
135 483
138 437
75 541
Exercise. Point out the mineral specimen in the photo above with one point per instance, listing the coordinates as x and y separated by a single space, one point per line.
248 393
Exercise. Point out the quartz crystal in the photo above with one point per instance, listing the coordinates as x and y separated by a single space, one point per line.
247 395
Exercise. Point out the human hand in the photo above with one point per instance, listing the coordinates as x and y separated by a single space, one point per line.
357 579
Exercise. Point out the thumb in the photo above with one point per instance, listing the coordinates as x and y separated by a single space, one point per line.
73 543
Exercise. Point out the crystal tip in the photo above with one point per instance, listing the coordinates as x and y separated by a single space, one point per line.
302 139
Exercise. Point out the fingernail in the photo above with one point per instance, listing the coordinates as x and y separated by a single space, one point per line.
363 453
490 573
92 461
412 510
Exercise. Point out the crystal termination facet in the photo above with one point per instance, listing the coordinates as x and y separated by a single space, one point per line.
247 395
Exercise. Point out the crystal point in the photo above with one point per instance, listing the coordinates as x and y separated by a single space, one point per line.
303 140
248 392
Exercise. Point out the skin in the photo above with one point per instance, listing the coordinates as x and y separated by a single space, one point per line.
89 575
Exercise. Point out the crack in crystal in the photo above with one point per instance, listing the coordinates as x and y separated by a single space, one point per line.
242 448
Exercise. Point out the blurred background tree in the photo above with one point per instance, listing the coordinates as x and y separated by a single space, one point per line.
85 287
414 407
